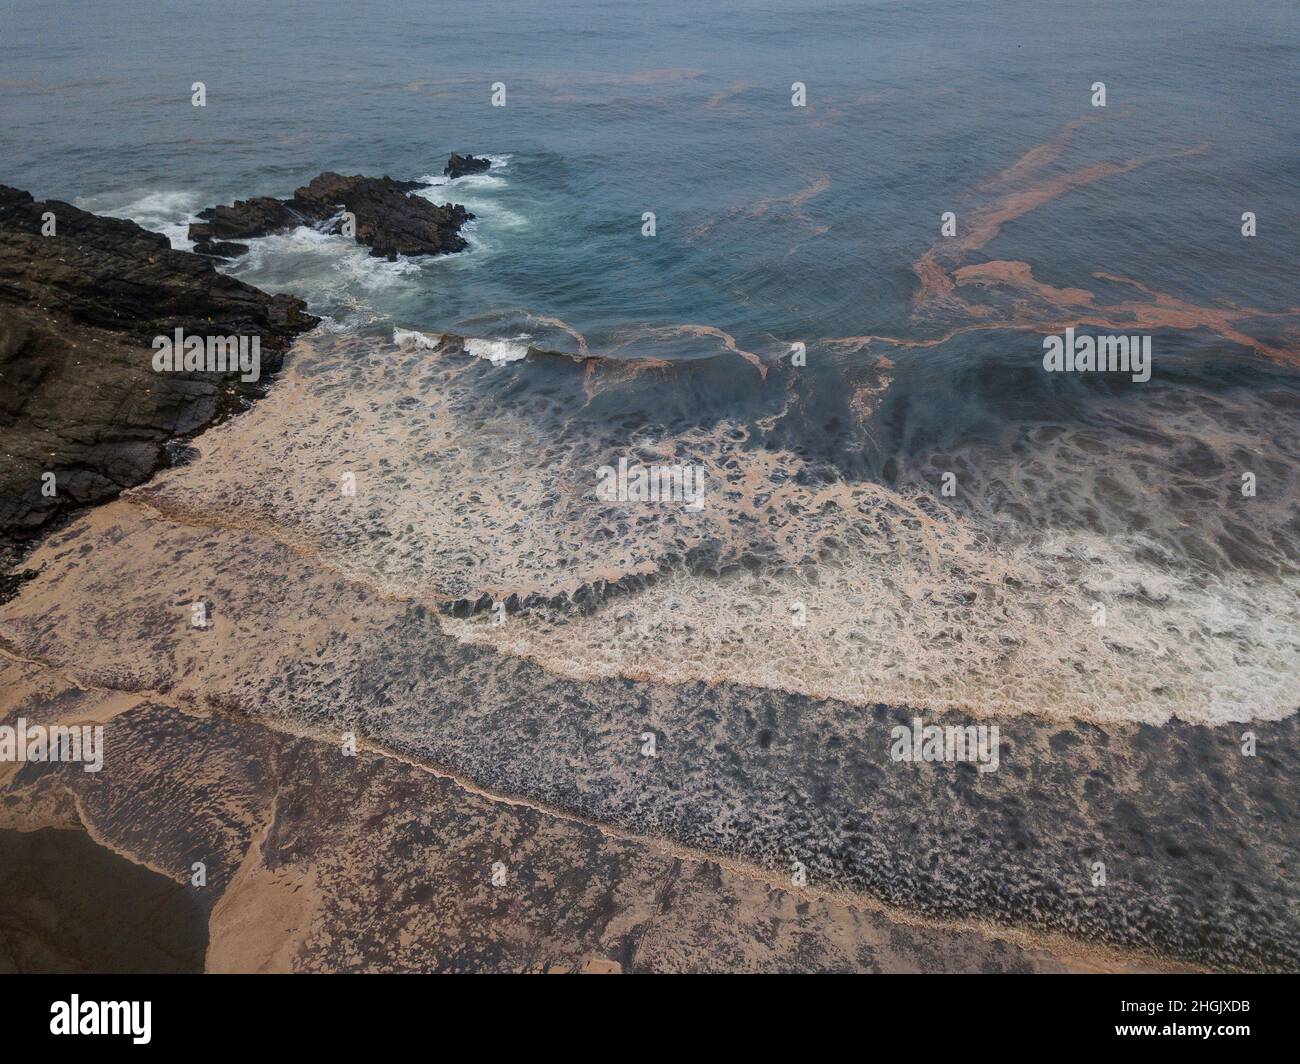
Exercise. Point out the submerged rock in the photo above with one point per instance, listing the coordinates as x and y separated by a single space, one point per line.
389 220
83 413
460 165
219 249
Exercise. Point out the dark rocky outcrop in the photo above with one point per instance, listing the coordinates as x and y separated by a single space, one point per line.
389 220
259 216
79 396
219 249
460 165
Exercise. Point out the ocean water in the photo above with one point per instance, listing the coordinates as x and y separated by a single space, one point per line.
773 221
776 225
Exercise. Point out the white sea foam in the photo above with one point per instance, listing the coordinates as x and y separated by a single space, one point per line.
498 351
499 163
319 265
165 211
903 599
485 209
477 193
428 341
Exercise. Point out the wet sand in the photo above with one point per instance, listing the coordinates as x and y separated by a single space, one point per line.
319 861
70 905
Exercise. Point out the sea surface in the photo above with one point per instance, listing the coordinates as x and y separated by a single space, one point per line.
772 220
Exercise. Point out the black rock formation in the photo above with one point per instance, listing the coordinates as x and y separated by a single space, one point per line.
460 165
79 396
389 220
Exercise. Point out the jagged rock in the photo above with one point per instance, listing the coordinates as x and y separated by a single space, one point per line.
389 220
79 397
259 216
460 165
